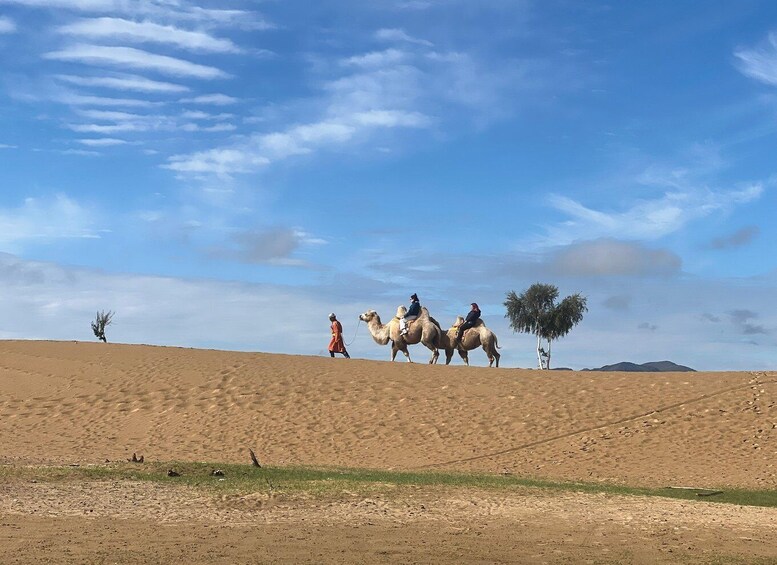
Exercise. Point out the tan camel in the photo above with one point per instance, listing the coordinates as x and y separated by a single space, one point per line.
473 338
423 330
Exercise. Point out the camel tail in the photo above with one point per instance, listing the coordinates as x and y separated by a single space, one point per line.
496 342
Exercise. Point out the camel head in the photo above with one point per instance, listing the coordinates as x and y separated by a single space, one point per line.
368 316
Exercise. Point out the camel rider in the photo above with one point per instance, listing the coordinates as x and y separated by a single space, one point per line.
413 311
469 322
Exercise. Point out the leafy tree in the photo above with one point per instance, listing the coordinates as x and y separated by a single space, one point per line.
535 311
102 320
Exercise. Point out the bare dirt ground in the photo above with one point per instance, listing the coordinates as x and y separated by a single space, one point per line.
64 403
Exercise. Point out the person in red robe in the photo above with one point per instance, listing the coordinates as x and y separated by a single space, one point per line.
336 344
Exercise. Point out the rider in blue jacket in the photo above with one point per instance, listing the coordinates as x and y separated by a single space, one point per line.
413 311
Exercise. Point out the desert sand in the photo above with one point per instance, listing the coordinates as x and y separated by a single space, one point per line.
64 403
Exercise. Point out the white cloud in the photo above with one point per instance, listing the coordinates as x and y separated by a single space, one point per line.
7 25
213 128
391 118
134 58
47 301
80 152
85 5
102 142
171 10
218 162
199 115
125 82
645 219
110 115
148 32
377 59
387 34
81 100
760 63
44 220
215 99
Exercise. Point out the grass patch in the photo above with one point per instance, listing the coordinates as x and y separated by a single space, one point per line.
325 482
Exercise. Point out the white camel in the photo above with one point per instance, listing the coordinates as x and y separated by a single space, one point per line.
474 337
423 330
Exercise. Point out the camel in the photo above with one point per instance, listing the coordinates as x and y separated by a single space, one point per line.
423 330
472 339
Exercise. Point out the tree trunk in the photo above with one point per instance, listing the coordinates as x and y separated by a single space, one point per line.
539 352
547 361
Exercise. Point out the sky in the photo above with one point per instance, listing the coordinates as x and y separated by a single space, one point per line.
226 174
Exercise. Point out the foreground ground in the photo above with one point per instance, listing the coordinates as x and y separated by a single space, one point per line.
76 403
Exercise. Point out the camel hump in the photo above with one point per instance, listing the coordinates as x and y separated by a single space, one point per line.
424 313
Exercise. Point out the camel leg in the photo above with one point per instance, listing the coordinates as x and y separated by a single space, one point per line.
429 344
465 356
448 356
496 356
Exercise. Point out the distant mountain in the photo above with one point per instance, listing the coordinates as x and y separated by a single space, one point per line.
651 367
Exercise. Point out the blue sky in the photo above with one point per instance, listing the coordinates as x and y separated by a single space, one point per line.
225 174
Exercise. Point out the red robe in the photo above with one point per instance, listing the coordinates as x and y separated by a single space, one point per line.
336 345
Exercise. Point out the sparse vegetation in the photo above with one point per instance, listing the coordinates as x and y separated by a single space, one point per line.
535 311
328 482
101 321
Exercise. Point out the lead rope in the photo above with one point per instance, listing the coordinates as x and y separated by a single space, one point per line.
354 333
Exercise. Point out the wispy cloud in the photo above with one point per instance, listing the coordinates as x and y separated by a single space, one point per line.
102 142
117 29
7 25
134 58
214 99
260 150
388 34
760 63
74 99
377 59
176 11
646 219
115 121
124 82
43 220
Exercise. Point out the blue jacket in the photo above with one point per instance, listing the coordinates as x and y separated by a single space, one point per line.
414 310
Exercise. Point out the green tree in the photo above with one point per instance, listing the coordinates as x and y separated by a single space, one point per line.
535 311
102 320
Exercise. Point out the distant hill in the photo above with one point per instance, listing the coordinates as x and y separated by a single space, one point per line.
651 367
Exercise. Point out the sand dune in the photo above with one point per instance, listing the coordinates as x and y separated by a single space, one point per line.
70 402
82 403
